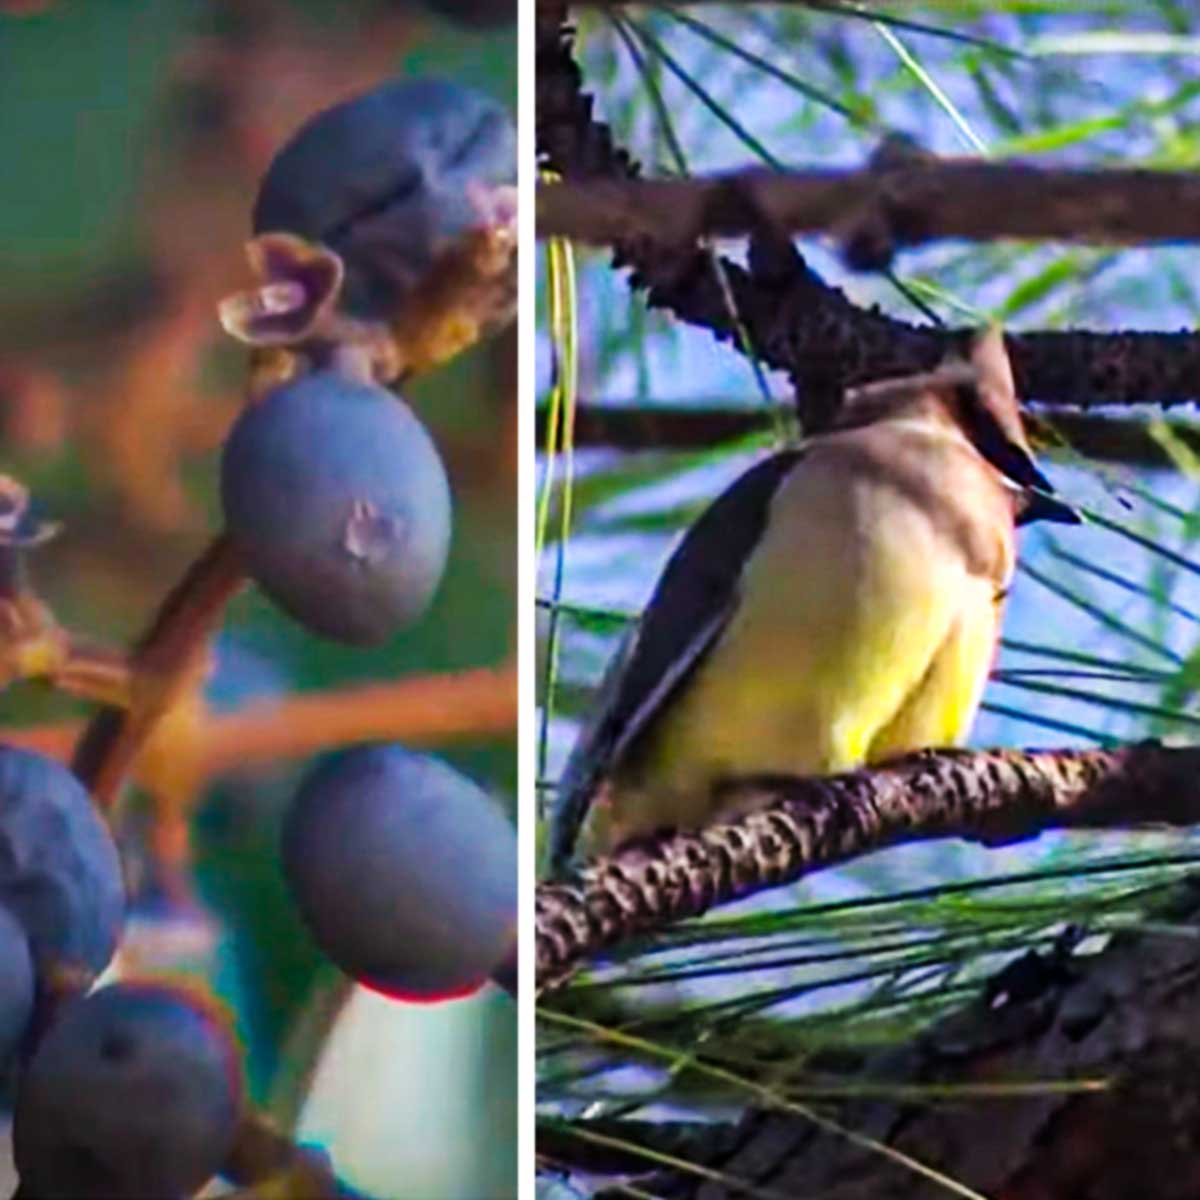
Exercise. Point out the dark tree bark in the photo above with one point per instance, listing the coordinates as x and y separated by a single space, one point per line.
1120 1024
664 427
902 197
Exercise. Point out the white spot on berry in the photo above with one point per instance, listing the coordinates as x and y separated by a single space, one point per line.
370 537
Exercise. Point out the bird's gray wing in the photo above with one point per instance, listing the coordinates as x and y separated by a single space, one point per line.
692 602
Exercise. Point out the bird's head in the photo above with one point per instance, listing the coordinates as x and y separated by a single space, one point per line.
978 396
987 410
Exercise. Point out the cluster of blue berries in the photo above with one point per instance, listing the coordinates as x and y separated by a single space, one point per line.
403 869
337 500
332 489
335 495
133 1090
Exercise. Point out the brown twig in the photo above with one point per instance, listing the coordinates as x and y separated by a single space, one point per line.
423 710
92 672
167 657
263 1155
799 825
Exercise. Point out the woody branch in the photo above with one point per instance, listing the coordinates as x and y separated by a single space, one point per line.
801 825
670 426
791 319
901 198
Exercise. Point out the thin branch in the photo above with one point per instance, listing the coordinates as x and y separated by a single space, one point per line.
619 1150
423 710
267 1162
92 672
691 426
800 825
167 658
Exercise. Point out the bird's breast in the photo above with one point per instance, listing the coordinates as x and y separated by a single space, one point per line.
868 562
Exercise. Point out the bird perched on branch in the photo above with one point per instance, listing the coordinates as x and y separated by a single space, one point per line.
839 604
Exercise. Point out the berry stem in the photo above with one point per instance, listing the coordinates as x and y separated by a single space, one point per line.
165 660
424 710
95 673
262 1154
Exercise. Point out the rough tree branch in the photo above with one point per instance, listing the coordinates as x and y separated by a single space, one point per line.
899 199
669 426
802 825
797 323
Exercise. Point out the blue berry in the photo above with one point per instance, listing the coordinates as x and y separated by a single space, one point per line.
386 179
404 871
337 499
59 871
135 1091
16 986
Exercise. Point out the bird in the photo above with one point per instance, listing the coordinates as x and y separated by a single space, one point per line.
838 605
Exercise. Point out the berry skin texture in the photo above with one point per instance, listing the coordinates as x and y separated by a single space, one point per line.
404 871
60 875
338 501
386 179
16 987
135 1091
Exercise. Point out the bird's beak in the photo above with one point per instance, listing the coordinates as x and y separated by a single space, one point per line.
1012 460
1016 464
1043 506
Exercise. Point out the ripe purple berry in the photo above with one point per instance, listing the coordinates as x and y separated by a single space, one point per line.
387 179
135 1091
60 876
404 870
16 986
337 499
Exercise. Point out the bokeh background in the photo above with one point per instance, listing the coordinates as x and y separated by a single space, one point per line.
133 135
1101 635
